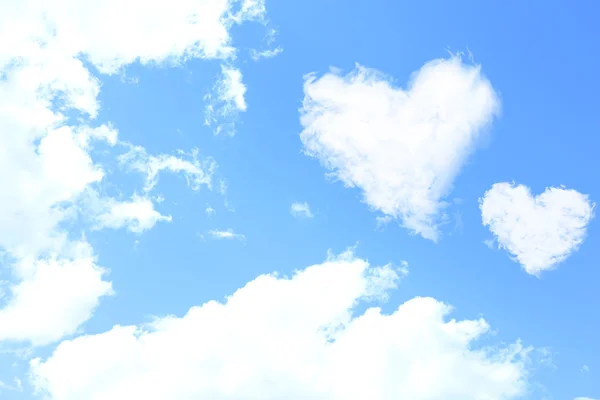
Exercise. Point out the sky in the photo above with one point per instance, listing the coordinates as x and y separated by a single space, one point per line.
261 199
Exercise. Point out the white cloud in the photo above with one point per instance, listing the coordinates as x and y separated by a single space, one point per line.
223 187
196 171
249 10
16 386
402 148
167 31
489 243
232 89
383 220
269 53
226 100
585 368
53 297
301 210
44 179
137 214
584 398
46 161
228 234
52 292
296 338
210 211
271 36
541 231
45 157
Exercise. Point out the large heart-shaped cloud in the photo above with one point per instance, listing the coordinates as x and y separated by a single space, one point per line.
540 231
402 148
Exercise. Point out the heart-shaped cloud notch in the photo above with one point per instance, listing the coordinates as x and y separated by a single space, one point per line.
402 148
541 231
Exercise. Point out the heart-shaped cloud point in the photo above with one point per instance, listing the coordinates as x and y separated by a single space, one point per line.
541 231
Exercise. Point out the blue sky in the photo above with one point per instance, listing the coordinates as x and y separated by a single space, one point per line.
407 156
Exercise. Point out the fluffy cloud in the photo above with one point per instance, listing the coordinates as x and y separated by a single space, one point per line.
53 296
402 148
300 210
165 31
46 155
54 287
541 231
292 338
137 214
44 159
44 179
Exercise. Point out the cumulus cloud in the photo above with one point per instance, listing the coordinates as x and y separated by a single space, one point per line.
46 154
228 234
53 289
166 31
293 338
137 214
53 296
538 231
301 210
401 148
44 179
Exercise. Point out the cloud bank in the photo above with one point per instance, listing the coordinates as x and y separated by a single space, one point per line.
293 338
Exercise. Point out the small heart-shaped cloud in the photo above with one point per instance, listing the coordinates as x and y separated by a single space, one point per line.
402 148
539 232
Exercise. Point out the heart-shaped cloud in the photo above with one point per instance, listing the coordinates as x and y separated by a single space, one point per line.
403 149
540 231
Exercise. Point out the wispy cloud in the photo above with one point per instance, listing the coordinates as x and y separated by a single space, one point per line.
270 53
210 211
226 101
197 172
301 210
17 386
489 243
383 221
227 234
